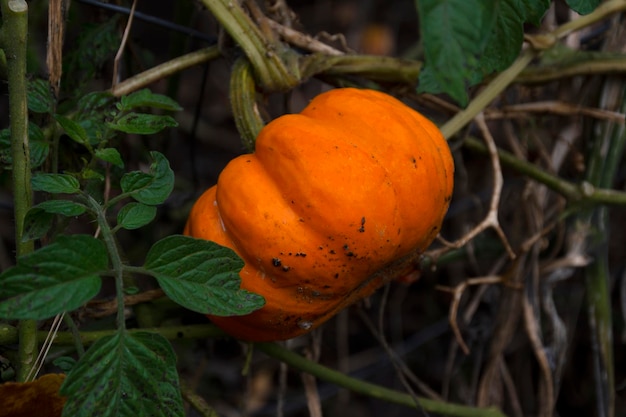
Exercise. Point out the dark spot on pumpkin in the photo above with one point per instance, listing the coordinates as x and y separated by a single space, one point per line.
350 254
289 253
276 262
320 247
301 220
337 275
362 228
414 161
302 254
346 247
332 252
286 268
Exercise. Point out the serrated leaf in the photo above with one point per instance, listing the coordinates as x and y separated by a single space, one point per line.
150 188
39 147
466 40
65 363
143 124
201 276
534 10
63 207
583 6
135 215
37 222
40 99
110 155
74 130
125 375
95 101
56 278
453 34
55 183
146 98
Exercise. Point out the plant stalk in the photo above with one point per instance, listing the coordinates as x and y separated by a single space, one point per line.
15 37
114 256
275 65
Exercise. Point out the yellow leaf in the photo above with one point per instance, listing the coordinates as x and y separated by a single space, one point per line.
38 398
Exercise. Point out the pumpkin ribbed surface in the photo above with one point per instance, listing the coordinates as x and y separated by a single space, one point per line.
332 195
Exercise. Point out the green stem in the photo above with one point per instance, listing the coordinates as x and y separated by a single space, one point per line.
14 37
164 70
275 65
603 165
585 192
376 391
243 102
506 77
114 256
488 94
9 334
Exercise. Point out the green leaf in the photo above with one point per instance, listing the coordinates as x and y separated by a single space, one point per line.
39 147
63 207
143 124
464 40
37 222
583 6
110 155
125 375
74 130
150 188
56 278
40 99
146 98
135 215
65 363
453 34
201 276
55 183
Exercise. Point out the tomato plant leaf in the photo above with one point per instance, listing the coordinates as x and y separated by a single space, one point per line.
74 130
583 6
39 96
142 123
37 222
135 215
110 155
39 146
56 278
150 188
201 276
125 375
64 207
146 98
55 183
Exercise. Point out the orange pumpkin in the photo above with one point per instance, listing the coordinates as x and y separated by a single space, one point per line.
332 195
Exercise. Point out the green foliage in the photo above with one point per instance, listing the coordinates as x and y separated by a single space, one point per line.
56 278
125 375
583 6
150 188
465 40
201 276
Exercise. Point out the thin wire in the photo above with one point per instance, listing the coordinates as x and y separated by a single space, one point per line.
155 20
45 348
